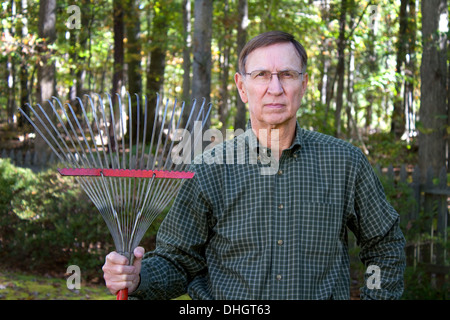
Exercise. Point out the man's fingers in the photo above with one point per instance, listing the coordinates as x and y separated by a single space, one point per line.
118 274
116 258
114 286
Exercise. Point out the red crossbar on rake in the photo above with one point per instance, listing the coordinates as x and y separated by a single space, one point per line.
130 184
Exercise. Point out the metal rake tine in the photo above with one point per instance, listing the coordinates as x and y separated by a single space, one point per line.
196 141
163 121
40 132
65 130
130 129
128 204
94 114
94 164
168 133
110 183
129 191
194 122
103 205
144 133
153 131
168 162
56 130
122 133
106 129
188 123
90 131
113 125
71 159
95 189
138 116
92 191
191 113
163 200
150 153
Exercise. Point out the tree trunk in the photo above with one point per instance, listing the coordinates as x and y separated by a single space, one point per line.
433 108
157 65
340 69
224 47
118 63
410 70
187 50
241 111
118 48
46 72
201 67
398 114
23 73
373 66
351 130
133 60
84 35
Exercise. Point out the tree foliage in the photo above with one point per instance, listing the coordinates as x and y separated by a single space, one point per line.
356 93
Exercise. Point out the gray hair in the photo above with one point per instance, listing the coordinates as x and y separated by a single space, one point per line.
267 39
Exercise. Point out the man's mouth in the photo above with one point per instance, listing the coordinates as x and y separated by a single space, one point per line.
274 105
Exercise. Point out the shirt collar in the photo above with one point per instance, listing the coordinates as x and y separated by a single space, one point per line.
254 143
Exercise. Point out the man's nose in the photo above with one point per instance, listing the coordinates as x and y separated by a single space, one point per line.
275 86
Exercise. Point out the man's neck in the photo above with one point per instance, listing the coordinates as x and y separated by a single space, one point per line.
275 137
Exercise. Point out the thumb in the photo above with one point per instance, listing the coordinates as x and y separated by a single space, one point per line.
138 255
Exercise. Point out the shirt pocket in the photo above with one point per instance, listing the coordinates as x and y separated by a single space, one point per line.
318 229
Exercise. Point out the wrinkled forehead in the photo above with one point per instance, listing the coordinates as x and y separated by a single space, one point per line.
278 56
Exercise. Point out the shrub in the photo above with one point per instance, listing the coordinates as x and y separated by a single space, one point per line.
47 223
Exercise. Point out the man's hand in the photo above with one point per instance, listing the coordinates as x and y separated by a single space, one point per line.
119 275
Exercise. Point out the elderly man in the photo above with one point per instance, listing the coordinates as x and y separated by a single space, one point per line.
235 233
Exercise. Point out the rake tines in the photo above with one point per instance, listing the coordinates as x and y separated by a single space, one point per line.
130 182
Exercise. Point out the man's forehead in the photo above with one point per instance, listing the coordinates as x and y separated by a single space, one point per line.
279 55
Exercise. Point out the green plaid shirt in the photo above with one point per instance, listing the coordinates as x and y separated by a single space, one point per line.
235 233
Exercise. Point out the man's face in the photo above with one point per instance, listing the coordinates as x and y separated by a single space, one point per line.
275 103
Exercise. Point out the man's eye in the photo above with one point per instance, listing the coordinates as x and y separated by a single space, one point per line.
287 74
261 74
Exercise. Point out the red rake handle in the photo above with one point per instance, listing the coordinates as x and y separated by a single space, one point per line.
129 173
122 294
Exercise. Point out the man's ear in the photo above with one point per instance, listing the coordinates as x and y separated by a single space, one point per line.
238 79
304 83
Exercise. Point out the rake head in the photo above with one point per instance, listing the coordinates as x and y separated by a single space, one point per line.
131 177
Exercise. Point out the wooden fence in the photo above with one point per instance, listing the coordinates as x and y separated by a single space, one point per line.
428 247
35 161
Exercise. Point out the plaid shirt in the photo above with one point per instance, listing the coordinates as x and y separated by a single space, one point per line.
235 233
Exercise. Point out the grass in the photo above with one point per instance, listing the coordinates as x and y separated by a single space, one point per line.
20 286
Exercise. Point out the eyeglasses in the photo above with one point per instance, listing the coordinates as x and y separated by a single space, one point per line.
264 76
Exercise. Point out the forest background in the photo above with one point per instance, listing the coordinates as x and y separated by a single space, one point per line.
379 76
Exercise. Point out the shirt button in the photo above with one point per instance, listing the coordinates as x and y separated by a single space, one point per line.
280 172
280 242
280 206
295 155
278 277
